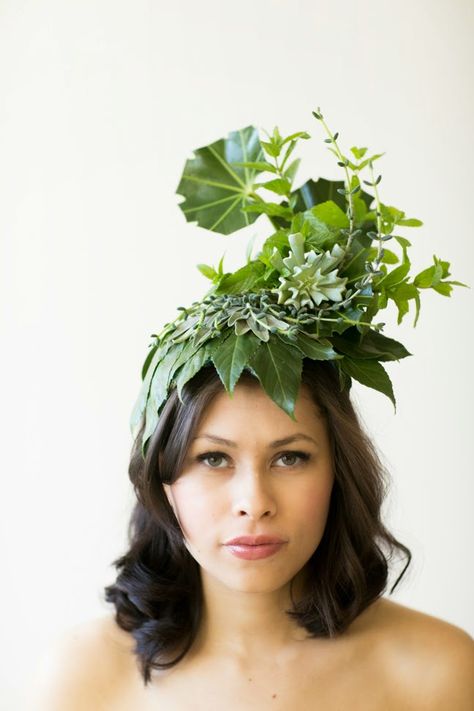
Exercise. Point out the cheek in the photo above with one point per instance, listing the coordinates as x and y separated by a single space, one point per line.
313 502
196 509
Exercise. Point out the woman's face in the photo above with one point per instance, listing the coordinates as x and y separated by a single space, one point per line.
249 486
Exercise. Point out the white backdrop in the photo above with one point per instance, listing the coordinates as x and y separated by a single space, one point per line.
102 102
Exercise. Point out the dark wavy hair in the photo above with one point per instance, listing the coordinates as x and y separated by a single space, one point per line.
158 594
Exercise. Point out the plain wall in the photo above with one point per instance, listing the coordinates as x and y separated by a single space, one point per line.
101 104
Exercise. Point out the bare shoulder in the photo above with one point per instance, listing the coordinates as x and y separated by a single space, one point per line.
84 667
429 660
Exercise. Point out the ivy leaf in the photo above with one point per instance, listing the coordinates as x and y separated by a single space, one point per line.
232 356
214 188
370 373
314 192
278 367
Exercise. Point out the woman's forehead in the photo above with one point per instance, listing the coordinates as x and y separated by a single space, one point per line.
250 405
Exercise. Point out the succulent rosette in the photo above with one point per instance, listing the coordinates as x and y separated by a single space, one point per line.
313 290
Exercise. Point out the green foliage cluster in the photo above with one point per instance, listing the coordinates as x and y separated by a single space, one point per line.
313 290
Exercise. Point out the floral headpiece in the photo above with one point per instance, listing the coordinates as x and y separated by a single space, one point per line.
313 290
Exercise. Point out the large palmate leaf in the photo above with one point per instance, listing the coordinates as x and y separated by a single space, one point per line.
215 190
314 192
278 367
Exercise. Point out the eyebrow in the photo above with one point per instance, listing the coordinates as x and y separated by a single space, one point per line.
275 443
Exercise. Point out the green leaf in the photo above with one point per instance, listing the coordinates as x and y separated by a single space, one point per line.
148 371
429 277
290 172
389 257
297 135
370 160
214 189
244 279
281 186
331 214
278 367
370 373
372 345
269 208
208 271
200 357
358 153
315 348
260 165
159 387
230 359
394 277
411 222
272 149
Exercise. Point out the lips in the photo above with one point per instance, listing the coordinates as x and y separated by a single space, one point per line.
254 540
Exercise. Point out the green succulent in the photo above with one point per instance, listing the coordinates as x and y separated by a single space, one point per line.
309 278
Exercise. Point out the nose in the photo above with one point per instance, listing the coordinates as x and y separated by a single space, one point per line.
252 496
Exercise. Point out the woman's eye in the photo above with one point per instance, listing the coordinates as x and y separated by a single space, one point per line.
208 456
302 456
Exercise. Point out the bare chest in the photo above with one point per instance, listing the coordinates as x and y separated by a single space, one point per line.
271 687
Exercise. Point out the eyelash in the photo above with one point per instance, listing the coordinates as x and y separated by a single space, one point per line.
304 457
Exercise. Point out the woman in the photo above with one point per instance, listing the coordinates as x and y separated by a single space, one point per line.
301 624
244 428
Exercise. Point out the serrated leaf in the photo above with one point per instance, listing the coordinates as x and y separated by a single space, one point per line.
200 357
159 388
232 356
315 348
148 371
214 189
370 373
278 367
372 345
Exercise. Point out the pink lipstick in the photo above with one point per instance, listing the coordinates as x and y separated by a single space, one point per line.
255 547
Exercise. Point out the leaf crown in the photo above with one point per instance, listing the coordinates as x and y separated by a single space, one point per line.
313 290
